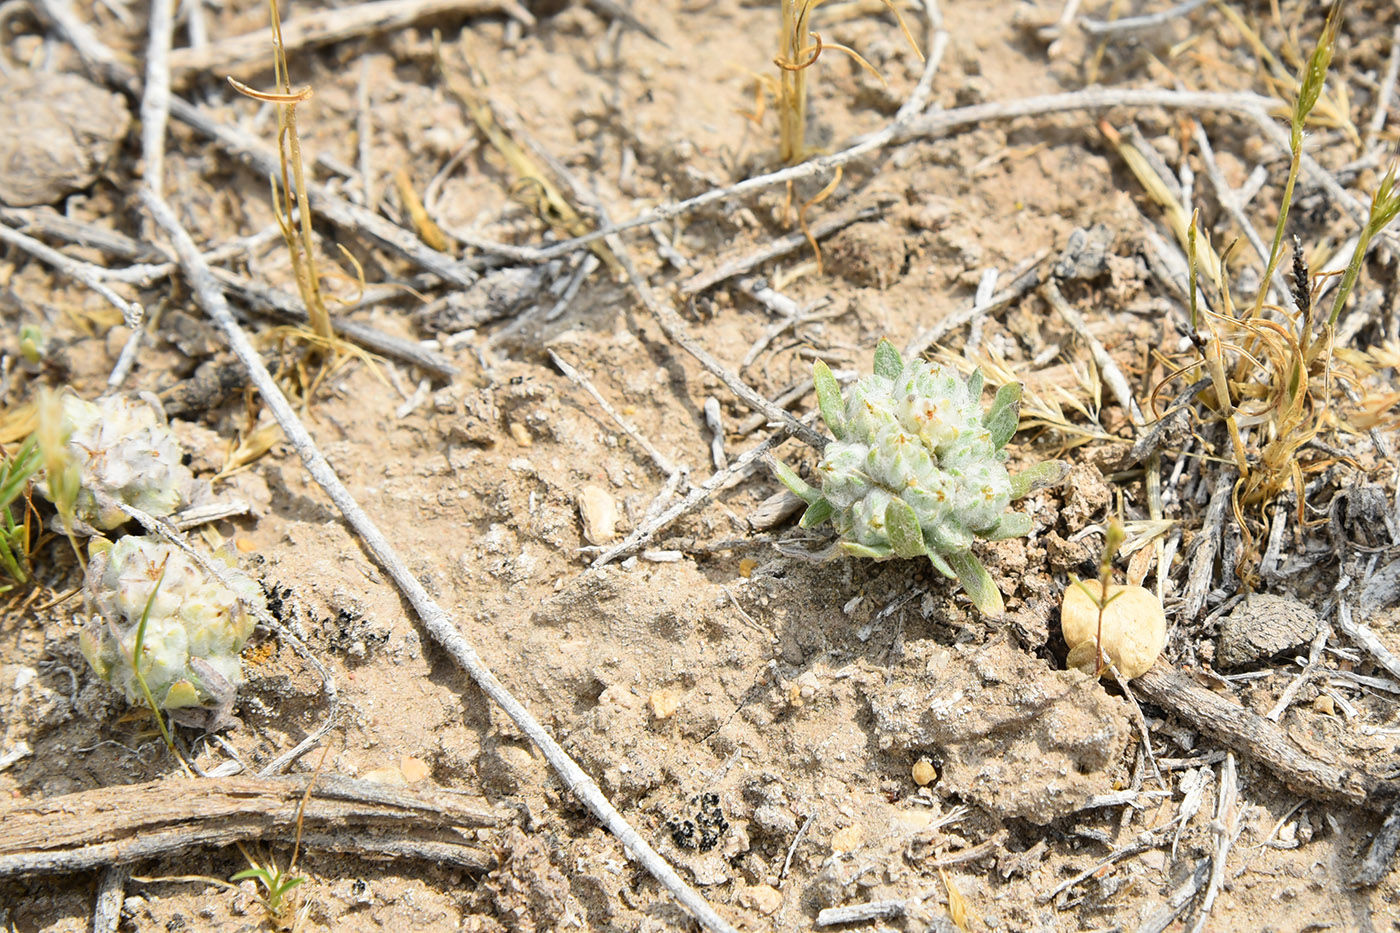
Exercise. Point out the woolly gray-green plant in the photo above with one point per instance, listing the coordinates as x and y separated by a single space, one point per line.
918 469
124 453
188 653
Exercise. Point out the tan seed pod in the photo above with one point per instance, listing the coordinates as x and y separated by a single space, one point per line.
1134 627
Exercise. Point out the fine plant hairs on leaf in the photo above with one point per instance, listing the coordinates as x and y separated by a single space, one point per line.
918 469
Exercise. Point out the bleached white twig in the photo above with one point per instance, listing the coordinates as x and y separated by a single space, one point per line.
1112 376
155 102
1025 279
1366 639
439 625
1131 24
663 463
84 272
111 892
1319 642
1392 72
1163 916
1226 827
896 130
691 502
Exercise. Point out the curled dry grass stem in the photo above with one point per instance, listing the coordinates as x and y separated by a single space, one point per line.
1272 376
799 47
296 231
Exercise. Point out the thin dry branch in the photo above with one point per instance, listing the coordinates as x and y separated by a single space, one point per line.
780 246
127 823
1165 915
155 102
1381 853
1252 736
1108 368
696 498
897 129
674 328
1025 280
107 906
1392 72
1226 828
288 307
1361 634
663 463
439 625
260 158
83 272
1207 546
1139 24
251 52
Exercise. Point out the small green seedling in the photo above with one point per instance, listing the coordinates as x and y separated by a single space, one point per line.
15 474
918 469
277 884
33 346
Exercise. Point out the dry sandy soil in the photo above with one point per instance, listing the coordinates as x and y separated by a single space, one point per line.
756 714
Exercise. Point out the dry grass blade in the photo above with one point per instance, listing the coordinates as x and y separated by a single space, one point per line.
296 231
531 181
1177 217
799 48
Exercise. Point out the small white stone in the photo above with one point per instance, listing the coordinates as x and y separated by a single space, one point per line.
598 510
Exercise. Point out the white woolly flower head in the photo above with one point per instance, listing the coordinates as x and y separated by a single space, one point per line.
194 631
124 452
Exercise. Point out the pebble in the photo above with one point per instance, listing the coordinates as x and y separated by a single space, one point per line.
598 510
71 131
762 898
664 703
1262 626
846 840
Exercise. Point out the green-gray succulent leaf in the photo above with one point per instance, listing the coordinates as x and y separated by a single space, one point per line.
977 583
1039 476
940 564
902 526
888 362
1004 415
865 550
974 386
816 513
829 399
1012 525
789 478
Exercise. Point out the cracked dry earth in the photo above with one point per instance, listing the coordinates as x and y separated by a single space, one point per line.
758 715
